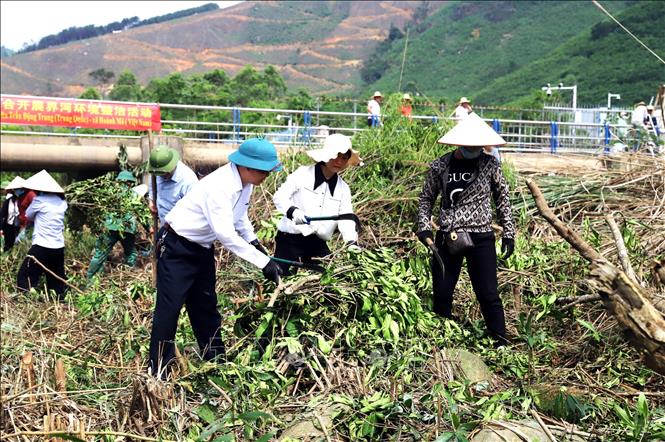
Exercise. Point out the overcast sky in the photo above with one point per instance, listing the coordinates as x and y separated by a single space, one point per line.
29 21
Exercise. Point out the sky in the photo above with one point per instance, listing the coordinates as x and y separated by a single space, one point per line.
28 21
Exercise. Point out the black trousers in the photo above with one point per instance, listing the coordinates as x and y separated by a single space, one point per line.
185 276
9 231
30 272
481 264
299 248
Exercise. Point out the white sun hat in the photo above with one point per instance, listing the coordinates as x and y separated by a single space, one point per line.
332 146
464 100
43 182
16 183
472 131
377 94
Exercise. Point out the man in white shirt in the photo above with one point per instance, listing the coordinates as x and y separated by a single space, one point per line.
463 109
374 110
640 115
214 209
47 211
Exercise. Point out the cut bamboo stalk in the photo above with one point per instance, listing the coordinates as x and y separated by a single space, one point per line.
60 377
621 247
28 369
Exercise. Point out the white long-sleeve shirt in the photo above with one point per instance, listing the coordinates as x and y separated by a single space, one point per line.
298 190
48 212
216 208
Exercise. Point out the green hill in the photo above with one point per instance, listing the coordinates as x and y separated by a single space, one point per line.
600 60
498 52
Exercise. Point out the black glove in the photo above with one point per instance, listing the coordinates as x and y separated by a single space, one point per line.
257 245
272 272
423 235
507 247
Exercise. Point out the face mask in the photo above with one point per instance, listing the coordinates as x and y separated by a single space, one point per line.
470 153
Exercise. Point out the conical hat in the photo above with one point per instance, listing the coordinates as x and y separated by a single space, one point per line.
332 146
16 183
472 131
43 182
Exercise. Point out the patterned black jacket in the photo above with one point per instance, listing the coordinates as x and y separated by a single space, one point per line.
473 211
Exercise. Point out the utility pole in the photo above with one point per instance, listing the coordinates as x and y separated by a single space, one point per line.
406 43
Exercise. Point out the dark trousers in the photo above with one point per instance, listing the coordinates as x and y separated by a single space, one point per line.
481 264
30 271
185 276
299 248
9 232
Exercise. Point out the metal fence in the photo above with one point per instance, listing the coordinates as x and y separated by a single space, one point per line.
292 127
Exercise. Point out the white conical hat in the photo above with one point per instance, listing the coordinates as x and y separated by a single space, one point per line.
472 131
332 146
16 183
43 182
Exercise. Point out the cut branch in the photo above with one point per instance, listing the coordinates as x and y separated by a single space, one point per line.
621 296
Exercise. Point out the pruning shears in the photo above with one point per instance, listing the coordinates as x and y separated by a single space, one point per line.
435 251
343 216
302 265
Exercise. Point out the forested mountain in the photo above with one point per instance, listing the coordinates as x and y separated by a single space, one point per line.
501 51
494 52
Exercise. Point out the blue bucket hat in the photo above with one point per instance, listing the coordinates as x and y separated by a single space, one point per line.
257 153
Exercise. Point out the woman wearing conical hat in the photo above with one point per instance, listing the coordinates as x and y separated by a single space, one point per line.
316 190
467 181
47 212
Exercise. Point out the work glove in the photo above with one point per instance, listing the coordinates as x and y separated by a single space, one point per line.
272 272
257 245
298 217
507 247
353 247
423 235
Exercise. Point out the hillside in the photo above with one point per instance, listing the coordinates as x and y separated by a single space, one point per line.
316 45
600 60
468 46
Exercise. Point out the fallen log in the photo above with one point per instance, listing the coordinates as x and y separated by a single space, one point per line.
621 296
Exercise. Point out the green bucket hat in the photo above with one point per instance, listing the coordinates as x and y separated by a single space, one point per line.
163 160
125 175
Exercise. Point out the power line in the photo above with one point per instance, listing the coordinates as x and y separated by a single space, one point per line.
599 6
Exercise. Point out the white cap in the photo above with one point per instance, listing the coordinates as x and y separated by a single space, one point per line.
472 131
464 100
43 182
16 183
377 94
332 146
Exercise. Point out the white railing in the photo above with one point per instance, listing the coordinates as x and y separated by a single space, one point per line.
236 123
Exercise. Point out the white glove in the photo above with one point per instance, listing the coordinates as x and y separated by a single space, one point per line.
298 217
354 248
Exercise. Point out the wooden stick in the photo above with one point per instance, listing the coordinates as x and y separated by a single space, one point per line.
155 217
273 296
543 426
621 247
54 275
88 433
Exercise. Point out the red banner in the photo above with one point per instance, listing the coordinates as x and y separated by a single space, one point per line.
69 112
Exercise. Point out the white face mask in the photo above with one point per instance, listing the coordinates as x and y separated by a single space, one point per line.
470 153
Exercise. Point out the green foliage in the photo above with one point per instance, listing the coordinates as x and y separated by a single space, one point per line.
641 424
91 94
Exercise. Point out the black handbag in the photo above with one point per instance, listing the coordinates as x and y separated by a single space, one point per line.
458 242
